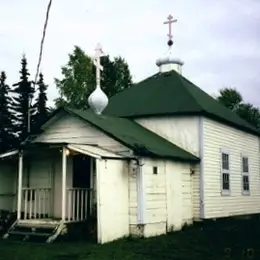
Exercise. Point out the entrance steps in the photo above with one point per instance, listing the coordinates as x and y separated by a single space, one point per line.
36 230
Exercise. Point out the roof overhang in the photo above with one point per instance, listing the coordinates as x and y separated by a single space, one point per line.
95 151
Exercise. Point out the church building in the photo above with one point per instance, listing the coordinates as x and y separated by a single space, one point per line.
155 157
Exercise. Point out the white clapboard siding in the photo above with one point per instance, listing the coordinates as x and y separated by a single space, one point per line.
179 195
69 129
113 200
217 136
184 132
155 215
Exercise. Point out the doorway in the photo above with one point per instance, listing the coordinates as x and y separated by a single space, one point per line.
81 171
81 180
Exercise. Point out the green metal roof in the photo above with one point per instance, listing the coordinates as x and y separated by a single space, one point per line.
171 93
141 140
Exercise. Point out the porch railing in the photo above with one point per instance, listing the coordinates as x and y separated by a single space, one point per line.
36 203
78 203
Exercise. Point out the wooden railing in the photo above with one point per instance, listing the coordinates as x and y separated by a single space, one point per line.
78 203
36 203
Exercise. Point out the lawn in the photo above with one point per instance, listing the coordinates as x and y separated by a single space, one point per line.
219 240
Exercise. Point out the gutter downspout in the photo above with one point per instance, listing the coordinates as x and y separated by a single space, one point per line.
140 191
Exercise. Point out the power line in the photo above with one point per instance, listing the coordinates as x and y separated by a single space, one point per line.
39 59
42 40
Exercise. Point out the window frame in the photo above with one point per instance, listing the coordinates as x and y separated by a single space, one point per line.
245 192
223 171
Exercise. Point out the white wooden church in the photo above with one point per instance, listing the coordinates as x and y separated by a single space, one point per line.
153 158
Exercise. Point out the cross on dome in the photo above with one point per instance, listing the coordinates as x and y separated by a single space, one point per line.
98 99
170 21
96 60
169 61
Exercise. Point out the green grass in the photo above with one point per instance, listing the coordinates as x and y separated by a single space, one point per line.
207 241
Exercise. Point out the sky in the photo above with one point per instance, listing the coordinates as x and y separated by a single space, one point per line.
218 40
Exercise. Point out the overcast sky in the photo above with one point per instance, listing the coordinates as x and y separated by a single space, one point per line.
219 40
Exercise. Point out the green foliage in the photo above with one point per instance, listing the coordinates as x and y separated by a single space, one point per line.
79 78
77 82
233 100
40 106
230 97
22 92
6 123
15 105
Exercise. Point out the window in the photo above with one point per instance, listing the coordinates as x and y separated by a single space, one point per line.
155 170
245 175
225 172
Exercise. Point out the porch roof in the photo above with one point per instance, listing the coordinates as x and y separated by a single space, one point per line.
93 151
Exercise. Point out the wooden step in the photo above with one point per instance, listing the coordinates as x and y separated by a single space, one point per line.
35 230
38 223
29 233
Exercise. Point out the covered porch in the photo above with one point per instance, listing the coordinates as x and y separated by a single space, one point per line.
60 188
58 184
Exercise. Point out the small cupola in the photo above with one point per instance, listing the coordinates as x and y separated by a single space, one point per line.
169 61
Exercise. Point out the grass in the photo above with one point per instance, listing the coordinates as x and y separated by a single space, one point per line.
235 239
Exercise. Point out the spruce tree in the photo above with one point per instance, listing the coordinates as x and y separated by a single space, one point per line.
23 94
41 103
6 126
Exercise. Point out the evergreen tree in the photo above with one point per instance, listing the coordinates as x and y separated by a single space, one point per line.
23 94
41 102
6 126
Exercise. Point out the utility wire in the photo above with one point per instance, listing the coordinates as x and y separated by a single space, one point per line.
42 40
39 60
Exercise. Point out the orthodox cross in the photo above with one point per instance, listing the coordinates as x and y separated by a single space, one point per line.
170 22
98 54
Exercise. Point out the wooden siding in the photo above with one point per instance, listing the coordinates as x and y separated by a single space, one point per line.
168 196
69 129
217 136
113 200
179 195
184 132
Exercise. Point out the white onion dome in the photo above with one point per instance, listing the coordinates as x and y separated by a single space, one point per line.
98 100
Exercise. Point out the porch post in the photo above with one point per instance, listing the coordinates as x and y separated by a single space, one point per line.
20 184
92 161
64 171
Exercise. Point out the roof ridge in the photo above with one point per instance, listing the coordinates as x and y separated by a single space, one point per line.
219 104
181 78
134 85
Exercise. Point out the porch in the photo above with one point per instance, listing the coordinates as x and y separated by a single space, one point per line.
59 188
37 204
63 193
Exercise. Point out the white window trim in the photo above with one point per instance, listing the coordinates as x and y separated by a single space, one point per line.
245 192
224 192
